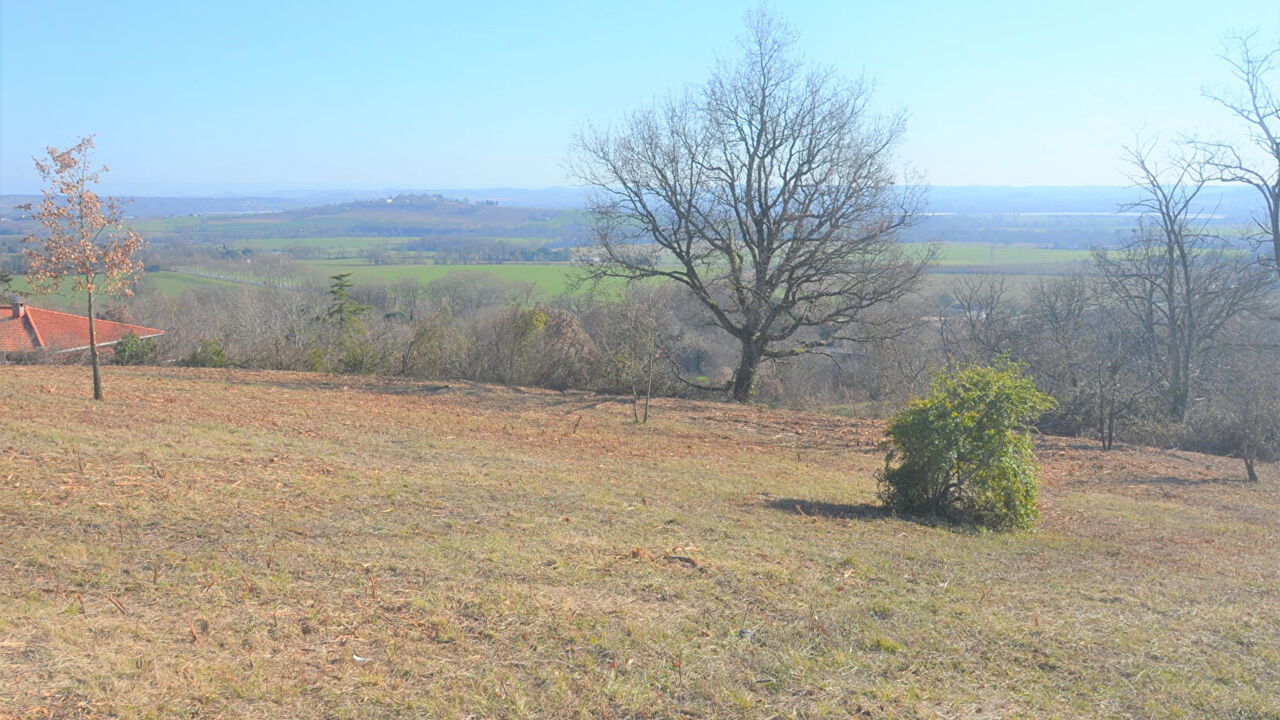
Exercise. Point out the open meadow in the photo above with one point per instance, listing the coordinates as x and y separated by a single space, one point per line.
211 543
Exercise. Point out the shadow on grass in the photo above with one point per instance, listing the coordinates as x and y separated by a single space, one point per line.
810 508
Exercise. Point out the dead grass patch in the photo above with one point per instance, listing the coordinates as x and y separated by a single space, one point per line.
257 544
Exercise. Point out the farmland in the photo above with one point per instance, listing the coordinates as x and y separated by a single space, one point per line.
994 257
406 216
258 544
554 278
348 244
1021 263
551 279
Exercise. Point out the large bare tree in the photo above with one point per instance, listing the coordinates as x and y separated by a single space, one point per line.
1180 283
83 240
769 192
1254 160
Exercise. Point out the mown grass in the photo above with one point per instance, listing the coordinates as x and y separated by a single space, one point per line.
250 544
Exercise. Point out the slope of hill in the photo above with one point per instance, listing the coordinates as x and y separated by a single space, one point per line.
208 220
402 215
251 544
1063 217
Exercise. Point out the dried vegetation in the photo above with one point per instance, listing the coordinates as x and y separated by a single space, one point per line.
251 544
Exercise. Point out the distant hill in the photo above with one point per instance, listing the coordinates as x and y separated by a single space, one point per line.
398 216
1067 217
1234 203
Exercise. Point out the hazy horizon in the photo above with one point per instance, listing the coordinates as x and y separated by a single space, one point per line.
200 191
244 98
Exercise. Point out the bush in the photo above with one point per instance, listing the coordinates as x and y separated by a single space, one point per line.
208 354
537 346
133 350
964 452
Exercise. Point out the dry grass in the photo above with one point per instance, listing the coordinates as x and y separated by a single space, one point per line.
236 544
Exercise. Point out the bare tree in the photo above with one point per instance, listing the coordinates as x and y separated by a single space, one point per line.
1256 161
1177 281
1244 415
768 192
1118 380
83 239
983 322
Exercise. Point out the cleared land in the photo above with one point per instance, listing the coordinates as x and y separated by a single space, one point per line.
250 544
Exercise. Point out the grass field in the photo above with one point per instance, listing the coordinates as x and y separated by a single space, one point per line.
269 545
168 283
551 279
174 283
999 256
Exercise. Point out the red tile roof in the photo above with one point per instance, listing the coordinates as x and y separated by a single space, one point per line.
27 329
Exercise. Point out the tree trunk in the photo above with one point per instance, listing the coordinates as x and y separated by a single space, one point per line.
744 380
93 352
1249 468
1275 235
1180 398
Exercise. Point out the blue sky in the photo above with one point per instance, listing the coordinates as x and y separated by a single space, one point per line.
204 97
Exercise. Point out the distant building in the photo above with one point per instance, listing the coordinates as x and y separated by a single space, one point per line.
25 329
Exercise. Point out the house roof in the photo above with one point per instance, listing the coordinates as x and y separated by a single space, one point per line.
27 329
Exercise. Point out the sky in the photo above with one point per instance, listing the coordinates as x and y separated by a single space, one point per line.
239 97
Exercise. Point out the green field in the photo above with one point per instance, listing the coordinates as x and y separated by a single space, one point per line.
552 279
1026 262
167 283
174 283
995 256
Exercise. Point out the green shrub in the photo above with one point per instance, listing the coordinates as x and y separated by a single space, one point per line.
964 452
133 350
208 353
